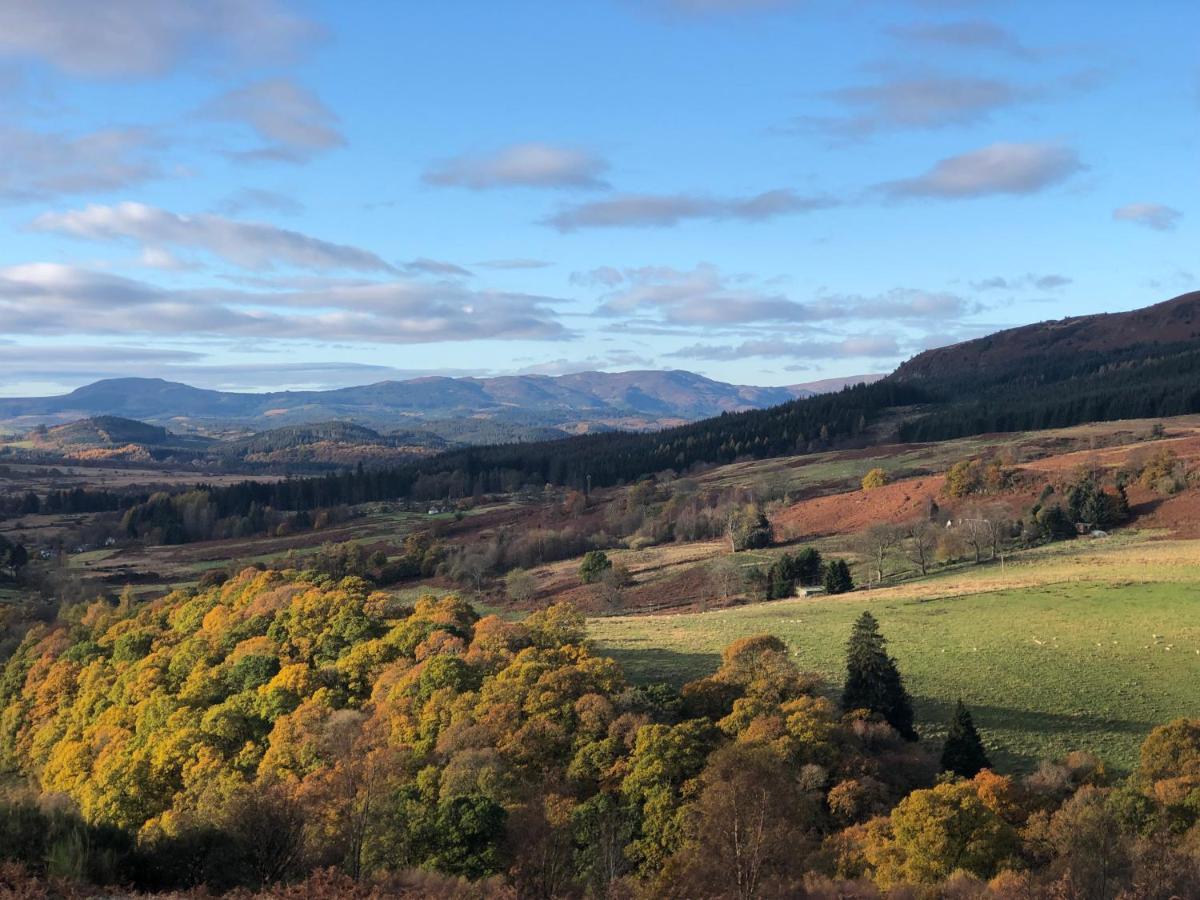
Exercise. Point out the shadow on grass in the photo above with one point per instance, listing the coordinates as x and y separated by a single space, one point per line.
934 715
652 664
644 665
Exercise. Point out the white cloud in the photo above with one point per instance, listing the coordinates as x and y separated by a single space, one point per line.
1003 168
705 296
160 258
917 101
857 346
54 299
290 120
667 210
39 166
1151 215
247 244
618 359
535 165
120 38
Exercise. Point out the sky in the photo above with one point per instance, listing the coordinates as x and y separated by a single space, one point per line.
292 194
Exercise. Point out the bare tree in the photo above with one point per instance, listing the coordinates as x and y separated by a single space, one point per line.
520 585
726 575
999 527
976 531
920 543
611 585
877 544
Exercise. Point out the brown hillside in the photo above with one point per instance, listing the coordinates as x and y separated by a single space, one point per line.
1170 322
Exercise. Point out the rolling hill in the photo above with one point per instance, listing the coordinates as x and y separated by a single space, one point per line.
591 400
1137 364
102 431
1047 349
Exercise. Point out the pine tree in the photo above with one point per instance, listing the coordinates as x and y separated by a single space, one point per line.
964 754
872 680
837 577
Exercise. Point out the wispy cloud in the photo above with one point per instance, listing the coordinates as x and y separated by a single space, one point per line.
514 263
249 245
1004 168
121 38
40 166
722 7
705 296
1151 215
54 299
1049 282
668 210
292 122
440 267
916 102
531 165
968 35
245 199
857 346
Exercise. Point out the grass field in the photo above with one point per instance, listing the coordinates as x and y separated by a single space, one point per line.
1087 645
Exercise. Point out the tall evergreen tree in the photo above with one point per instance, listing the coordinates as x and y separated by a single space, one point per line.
963 753
837 577
872 680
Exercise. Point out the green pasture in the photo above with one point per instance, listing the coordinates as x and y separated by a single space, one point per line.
1045 669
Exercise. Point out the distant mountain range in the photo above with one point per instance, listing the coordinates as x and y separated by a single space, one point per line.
458 409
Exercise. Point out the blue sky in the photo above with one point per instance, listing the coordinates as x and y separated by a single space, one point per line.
262 194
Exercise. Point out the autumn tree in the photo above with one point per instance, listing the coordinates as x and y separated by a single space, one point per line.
748 828
936 832
873 682
1089 845
662 766
876 478
1169 762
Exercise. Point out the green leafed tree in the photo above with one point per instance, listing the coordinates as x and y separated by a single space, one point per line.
595 563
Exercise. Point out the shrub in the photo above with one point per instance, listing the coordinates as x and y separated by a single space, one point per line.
876 478
594 564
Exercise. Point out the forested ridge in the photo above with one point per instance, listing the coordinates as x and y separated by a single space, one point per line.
1051 392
